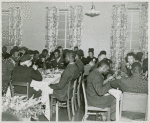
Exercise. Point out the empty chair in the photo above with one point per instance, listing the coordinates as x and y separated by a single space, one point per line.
92 108
133 103
21 84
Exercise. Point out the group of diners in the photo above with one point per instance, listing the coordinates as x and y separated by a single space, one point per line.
22 64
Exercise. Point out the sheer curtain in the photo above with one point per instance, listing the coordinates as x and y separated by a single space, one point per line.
118 34
15 30
75 25
52 16
143 28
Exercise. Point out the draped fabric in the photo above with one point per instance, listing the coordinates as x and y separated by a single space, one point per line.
52 16
15 30
143 32
118 34
75 25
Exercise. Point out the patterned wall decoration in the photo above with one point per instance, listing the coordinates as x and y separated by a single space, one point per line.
143 28
15 31
118 34
52 16
75 25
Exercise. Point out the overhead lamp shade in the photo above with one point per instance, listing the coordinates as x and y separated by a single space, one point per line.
92 12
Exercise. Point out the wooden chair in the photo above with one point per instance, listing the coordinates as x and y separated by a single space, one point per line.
22 84
133 102
79 89
92 108
69 103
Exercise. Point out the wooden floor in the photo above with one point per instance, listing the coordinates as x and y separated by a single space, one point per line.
78 114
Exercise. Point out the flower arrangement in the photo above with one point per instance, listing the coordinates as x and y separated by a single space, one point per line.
21 107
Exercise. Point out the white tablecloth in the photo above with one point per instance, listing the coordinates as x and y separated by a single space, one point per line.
46 90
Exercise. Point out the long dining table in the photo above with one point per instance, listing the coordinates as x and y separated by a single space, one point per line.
46 90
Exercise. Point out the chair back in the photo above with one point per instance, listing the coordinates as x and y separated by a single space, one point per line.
134 102
23 84
84 94
71 89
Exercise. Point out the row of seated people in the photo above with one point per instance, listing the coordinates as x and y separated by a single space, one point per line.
95 87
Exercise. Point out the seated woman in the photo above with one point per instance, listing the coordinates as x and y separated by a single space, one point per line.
90 57
24 73
130 59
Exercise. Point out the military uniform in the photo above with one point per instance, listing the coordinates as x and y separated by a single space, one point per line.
58 63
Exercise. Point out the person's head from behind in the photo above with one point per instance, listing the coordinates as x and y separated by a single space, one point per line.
36 54
25 60
130 58
70 57
75 48
91 52
136 68
102 55
139 56
57 54
81 53
60 49
4 49
78 56
103 67
45 52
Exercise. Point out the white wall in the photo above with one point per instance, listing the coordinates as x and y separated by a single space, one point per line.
96 30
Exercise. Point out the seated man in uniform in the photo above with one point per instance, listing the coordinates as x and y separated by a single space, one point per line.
96 90
58 60
25 73
70 74
79 62
134 84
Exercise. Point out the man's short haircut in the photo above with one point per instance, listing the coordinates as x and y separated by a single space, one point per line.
71 54
129 54
75 47
57 50
136 67
103 62
59 47
139 56
36 52
45 50
103 52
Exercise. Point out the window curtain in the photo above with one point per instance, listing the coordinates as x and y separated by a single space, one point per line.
143 28
118 34
15 30
52 16
75 26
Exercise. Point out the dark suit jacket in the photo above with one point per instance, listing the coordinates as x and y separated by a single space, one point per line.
5 55
145 65
60 89
95 90
60 63
80 65
134 84
25 74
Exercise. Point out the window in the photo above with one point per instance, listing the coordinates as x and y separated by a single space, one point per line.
5 27
133 43
63 29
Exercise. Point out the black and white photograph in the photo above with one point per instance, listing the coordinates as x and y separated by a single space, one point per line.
74 61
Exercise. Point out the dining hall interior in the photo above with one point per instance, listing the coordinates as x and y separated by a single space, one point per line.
74 61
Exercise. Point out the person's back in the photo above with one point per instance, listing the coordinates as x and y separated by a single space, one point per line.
70 74
134 84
